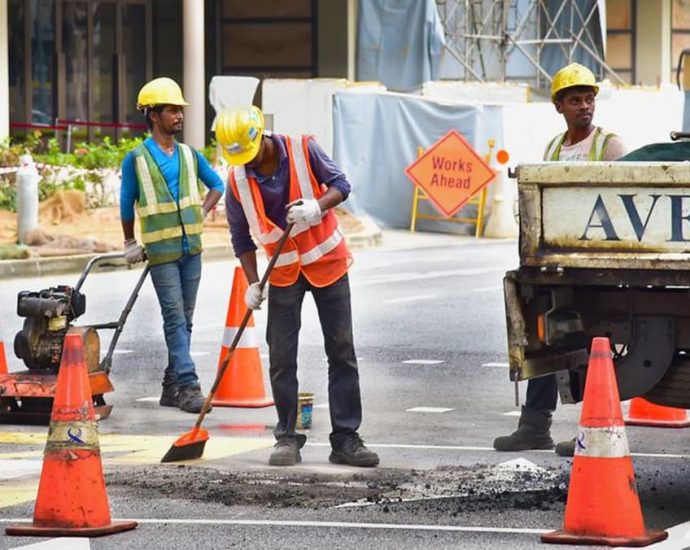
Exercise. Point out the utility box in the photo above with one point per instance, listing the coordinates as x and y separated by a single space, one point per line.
604 251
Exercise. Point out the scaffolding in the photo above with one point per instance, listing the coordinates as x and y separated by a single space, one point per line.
523 40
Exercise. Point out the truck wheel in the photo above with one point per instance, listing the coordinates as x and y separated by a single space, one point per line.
673 390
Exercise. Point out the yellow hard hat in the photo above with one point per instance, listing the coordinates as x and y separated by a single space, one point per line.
160 91
570 76
239 132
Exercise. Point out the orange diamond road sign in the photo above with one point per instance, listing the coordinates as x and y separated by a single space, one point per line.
450 173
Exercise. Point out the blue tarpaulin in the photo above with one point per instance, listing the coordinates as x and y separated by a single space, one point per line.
376 136
400 42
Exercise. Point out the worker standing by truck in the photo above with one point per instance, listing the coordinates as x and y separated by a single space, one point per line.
573 93
277 180
161 176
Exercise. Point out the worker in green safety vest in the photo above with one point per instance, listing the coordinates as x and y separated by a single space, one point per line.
161 177
573 92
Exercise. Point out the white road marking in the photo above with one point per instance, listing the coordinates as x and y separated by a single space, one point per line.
147 399
73 543
410 299
121 352
428 410
678 538
512 413
422 362
501 365
488 289
327 525
321 406
418 276
199 353
11 469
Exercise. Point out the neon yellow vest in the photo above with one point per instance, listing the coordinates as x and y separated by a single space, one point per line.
596 152
164 222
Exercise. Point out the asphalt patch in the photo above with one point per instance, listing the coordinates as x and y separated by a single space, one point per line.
444 491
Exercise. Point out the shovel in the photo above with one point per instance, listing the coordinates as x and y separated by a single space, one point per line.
190 445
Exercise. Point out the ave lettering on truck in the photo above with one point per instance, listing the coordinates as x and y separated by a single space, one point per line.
603 252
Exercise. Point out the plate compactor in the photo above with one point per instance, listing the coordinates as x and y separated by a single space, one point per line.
27 397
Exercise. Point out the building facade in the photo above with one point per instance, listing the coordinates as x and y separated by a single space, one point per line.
83 61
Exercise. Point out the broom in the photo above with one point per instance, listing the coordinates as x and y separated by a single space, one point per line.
190 445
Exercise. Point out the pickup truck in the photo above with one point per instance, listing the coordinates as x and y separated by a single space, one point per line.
604 251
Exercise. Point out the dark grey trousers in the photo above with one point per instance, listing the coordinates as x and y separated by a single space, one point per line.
284 322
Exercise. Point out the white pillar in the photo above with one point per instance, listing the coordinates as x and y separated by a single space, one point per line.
4 73
653 47
194 79
352 40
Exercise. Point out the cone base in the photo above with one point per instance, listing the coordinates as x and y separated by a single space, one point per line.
31 530
249 403
561 537
657 423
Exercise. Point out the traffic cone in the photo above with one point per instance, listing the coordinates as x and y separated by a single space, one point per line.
603 506
3 359
72 500
644 413
242 384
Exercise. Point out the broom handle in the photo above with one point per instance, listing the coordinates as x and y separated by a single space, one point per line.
240 330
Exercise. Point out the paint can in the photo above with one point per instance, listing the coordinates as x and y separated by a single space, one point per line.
305 405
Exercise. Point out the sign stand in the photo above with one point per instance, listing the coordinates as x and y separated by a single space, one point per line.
479 200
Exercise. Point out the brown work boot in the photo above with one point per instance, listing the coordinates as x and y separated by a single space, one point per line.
192 400
352 451
533 432
286 452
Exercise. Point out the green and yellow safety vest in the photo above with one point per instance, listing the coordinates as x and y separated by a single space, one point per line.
165 222
596 152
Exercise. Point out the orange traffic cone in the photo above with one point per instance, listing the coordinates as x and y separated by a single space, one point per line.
72 499
3 359
242 384
644 413
603 506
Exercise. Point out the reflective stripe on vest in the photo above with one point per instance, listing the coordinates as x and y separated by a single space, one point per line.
307 244
164 221
596 151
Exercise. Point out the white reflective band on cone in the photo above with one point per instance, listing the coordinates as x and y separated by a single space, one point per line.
247 340
610 442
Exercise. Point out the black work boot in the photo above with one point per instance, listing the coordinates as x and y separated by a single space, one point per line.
566 448
532 433
191 399
170 396
351 451
286 451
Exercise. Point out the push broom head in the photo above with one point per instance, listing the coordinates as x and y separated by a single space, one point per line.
189 446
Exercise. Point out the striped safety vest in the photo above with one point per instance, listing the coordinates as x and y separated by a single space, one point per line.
164 222
318 251
596 152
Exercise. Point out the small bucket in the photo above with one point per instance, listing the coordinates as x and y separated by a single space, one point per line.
305 405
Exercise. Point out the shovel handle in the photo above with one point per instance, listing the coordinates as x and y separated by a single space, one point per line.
240 330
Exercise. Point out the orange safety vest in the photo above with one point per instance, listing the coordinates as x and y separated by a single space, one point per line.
317 251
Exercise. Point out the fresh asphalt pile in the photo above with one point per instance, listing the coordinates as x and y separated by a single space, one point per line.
443 492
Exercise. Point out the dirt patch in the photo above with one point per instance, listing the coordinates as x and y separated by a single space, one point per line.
446 492
67 227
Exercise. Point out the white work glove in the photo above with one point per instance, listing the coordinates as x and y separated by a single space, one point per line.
134 252
255 296
305 211
204 213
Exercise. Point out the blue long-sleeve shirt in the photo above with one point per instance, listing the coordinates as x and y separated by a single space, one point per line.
275 191
170 168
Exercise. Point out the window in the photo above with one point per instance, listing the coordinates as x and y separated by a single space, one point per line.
620 38
268 38
680 32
